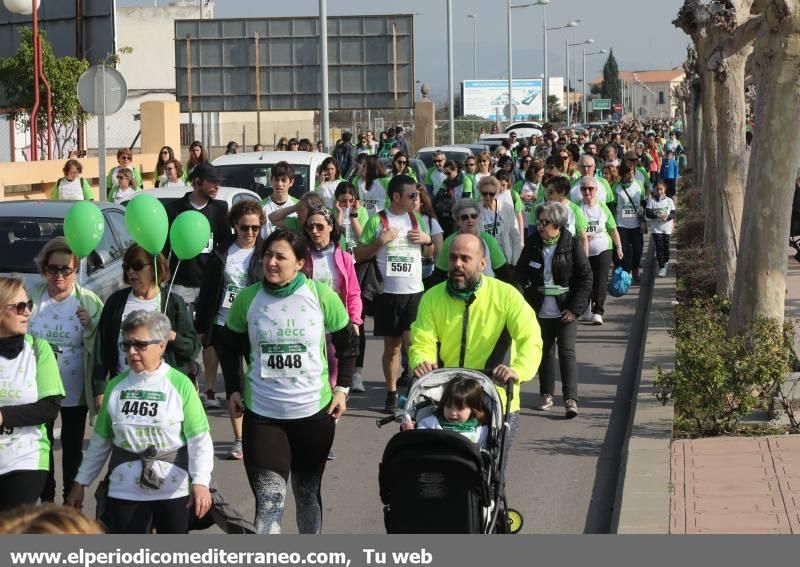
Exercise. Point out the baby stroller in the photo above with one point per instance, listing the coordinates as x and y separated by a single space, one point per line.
434 481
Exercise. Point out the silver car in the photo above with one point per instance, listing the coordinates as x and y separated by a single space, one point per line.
26 226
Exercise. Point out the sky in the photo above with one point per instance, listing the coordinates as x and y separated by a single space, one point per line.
641 34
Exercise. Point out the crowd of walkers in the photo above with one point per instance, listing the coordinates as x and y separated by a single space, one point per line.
511 246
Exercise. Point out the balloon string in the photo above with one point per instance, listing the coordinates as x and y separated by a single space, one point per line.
172 281
155 271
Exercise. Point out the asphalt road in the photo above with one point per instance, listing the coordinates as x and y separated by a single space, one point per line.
562 474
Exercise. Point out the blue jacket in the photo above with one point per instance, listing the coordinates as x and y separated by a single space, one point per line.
669 169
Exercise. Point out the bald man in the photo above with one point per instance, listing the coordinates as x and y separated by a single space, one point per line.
482 307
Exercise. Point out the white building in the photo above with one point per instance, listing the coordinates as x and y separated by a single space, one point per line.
648 94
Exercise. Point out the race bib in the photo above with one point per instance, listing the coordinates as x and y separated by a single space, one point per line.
281 360
593 228
371 206
230 295
136 404
628 213
400 267
209 246
490 228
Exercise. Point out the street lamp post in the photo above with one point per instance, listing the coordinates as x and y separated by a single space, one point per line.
450 111
324 115
568 45
546 86
474 18
583 95
510 56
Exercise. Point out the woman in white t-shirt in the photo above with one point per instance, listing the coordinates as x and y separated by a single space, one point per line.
424 207
372 183
235 265
499 219
72 187
328 178
126 186
630 196
603 238
66 315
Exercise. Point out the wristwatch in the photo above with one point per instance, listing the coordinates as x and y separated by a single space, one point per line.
353 215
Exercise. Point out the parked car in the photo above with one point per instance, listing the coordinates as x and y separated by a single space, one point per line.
476 149
252 170
166 195
455 153
493 140
26 226
524 129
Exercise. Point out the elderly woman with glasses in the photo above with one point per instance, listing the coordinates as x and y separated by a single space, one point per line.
125 160
144 274
556 279
153 428
603 236
31 395
467 216
175 174
499 218
126 186
231 268
66 315
328 263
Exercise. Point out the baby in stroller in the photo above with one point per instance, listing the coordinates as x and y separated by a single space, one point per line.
460 410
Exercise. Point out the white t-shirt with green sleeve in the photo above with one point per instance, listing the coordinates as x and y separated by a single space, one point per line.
287 375
600 222
26 379
159 409
234 278
400 261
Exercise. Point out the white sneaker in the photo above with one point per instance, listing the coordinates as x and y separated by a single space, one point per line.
211 399
597 319
358 384
586 316
545 402
662 272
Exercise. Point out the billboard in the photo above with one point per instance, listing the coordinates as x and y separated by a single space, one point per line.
370 63
489 98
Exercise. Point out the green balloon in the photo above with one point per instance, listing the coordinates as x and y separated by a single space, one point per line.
84 226
189 234
147 222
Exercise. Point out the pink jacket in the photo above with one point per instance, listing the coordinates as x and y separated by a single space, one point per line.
348 282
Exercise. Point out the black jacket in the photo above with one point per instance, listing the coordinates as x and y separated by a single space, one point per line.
179 353
570 269
191 272
213 286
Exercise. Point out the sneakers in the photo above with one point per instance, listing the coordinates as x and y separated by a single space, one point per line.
357 385
211 399
586 316
662 272
236 453
545 402
572 408
597 319
404 381
331 455
391 403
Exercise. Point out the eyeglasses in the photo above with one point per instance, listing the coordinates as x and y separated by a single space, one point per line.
136 266
21 306
122 177
543 222
588 188
469 164
52 269
438 161
469 216
401 162
315 226
138 346
125 158
164 153
412 196
487 194
249 228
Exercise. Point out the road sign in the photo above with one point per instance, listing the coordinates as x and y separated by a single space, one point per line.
102 91
601 104
618 108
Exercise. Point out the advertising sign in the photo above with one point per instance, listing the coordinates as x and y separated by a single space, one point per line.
489 98
601 104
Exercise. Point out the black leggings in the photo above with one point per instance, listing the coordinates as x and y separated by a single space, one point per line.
138 517
20 487
632 244
601 265
73 427
273 448
225 343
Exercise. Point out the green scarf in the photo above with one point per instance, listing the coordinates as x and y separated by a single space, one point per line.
468 426
288 289
551 241
463 294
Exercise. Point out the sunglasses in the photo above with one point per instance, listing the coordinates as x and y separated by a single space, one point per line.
249 228
139 346
125 158
486 194
315 226
412 196
401 162
438 161
65 271
588 188
543 222
164 153
21 306
472 216
137 266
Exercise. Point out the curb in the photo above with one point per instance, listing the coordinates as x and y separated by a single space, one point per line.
643 492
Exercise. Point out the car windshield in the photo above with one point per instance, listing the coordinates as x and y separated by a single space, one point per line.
427 157
255 177
164 201
21 239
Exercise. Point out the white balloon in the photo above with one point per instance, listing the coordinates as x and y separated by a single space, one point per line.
23 7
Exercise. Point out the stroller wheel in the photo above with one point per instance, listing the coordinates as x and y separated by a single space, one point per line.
515 521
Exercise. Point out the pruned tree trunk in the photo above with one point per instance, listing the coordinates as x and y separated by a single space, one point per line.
761 271
696 135
709 186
